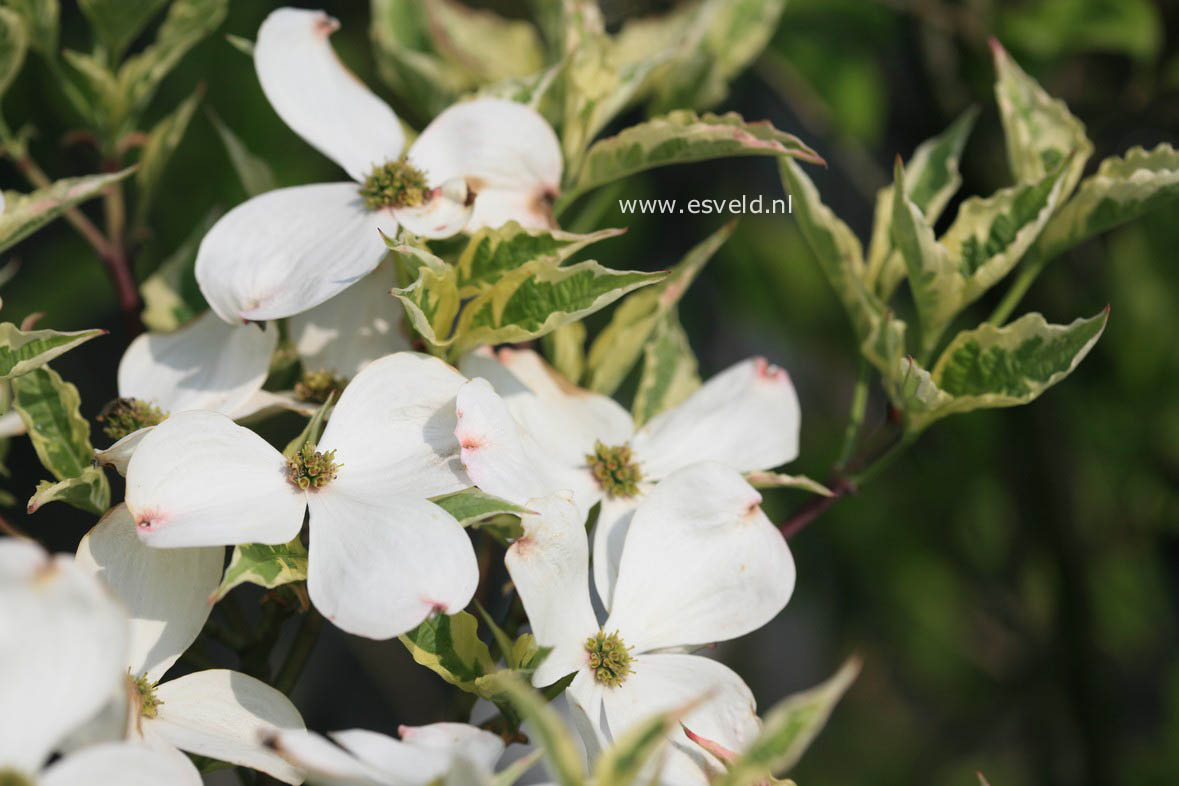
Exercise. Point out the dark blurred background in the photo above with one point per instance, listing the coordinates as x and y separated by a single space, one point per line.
1011 583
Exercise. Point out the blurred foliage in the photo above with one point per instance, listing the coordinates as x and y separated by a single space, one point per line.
1011 583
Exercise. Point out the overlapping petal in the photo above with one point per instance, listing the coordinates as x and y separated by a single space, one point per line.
549 566
288 250
63 644
505 152
318 97
121 764
224 715
199 479
354 328
207 364
746 417
504 459
166 591
380 562
701 563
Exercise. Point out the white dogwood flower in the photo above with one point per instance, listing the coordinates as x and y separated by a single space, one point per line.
382 557
217 712
479 163
424 754
206 364
63 642
526 432
701 564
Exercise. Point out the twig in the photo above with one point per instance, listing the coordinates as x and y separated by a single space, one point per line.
300 651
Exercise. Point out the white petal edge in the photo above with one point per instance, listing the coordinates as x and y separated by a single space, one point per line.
118 455
393 428
472 743
446 212
206 364
505 460
166 591
662 682
121 764
199 479
381 563
354 328
224 715
747 417
320 99
495 146
325 763
63 648
614 517
289 250
701 563
549 565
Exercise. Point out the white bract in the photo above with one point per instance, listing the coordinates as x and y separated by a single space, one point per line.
205 364
424 755
216 713
527 432
63 643
701 564
479 163
382 556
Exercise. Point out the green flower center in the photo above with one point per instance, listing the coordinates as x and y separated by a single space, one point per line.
615 470
311 469
609 658
316 386
394 184
13 778
125 415
143 695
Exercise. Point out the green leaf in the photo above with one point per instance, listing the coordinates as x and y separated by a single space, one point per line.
90 492
471 505
118 22
266 566
776 480
406 60
669 372
932 178
1122 189
432 301
187 22
837 250
22 351
678 138
171 295
788 729
1041 133
565 350
999 366
560 751
988 237
50 410
617 348
255 174
485 44
41 23
492 252
450 647
14 42
539 297
161 145
623 762
24 214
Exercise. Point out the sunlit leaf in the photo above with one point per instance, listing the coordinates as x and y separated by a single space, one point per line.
624 761
406 61
565 350
471 505
89 492
431 302
118 22
22 351
678 138
619 345
669 373
266 566
14 42
788 729
777 480
41 23
26 213
487 45
450 647
492 252
162 141
549 732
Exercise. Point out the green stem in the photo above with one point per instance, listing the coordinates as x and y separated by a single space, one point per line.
882 463
855 418
300 651
1032 266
